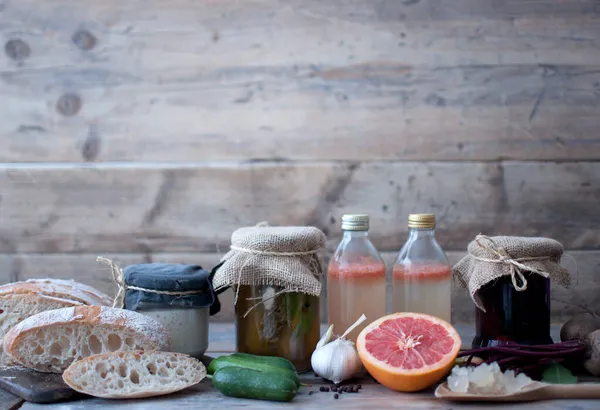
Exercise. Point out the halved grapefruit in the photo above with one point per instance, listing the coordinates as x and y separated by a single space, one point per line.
408 351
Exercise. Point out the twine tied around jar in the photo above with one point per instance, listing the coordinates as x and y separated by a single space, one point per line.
270 253
285 258
490 258
255 253
516 267
119 278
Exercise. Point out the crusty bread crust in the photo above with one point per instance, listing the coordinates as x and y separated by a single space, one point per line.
99 297
134 374
47 329
50 289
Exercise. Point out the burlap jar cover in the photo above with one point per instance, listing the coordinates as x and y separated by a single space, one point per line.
285 257
490 258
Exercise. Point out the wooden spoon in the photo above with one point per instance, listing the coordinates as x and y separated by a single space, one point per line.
532 392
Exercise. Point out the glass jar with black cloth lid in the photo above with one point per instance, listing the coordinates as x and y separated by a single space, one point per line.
509 279
180 297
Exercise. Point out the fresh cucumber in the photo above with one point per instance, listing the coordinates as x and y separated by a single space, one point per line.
248 363
272 360
253 384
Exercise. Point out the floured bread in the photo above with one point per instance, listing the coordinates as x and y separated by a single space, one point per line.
97 297
19 300
53 289
120 375
16 307
50 341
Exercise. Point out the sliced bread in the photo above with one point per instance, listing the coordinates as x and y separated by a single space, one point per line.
18 306
121 375
14 308
50 341
19 300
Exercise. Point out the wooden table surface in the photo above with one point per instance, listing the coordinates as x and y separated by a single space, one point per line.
372 395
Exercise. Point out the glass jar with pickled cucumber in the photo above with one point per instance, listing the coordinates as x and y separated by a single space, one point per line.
275 273
272 323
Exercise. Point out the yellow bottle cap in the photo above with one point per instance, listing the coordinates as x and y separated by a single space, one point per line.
421 221
355 222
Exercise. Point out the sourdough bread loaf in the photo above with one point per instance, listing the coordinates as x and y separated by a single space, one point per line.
134 374
50 341
19 300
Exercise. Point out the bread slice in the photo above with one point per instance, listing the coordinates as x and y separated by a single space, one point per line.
15 308
122 375
18 306
50 341
99 298
19 300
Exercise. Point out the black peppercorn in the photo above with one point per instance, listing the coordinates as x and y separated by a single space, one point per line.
336 396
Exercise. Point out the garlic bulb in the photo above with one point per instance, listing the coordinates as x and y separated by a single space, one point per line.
337 360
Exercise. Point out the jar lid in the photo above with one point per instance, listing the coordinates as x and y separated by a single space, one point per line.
277 239
490 258
421 221
282 256
166 285
355 222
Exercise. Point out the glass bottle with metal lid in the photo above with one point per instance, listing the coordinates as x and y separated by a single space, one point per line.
421 277
356 277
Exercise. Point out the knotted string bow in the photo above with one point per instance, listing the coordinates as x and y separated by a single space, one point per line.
516 267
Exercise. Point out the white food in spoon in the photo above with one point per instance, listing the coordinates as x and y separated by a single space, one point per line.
486 380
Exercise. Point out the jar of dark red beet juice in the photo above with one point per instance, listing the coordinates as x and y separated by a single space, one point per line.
508 279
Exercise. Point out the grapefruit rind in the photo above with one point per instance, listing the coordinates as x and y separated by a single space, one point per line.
407 380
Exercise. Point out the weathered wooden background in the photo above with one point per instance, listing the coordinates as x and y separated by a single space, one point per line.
150 130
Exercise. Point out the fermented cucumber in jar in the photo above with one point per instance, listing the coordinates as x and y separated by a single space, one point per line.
270 323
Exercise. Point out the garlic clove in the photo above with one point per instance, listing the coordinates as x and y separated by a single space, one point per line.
326 337
337 360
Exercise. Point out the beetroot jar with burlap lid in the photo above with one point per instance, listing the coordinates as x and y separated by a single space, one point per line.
508 279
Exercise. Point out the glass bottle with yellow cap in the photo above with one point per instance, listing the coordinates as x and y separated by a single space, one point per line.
355 278
422 273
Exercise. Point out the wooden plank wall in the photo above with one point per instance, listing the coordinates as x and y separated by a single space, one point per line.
150 130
